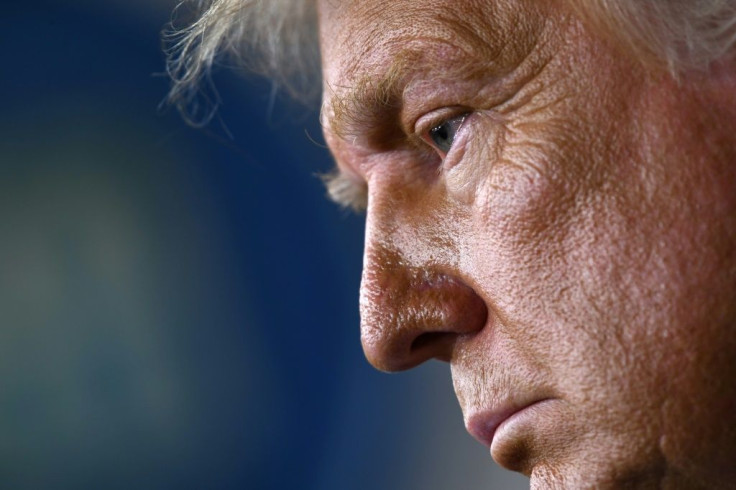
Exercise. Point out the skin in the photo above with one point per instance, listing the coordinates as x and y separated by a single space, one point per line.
572 256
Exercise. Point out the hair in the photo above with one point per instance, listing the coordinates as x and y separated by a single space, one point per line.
278 39
678 35
274 38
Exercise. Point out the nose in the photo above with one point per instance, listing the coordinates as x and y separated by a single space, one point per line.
410 314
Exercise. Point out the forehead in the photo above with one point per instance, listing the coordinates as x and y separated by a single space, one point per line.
360 37
377 55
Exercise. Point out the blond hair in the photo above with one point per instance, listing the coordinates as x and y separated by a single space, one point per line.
278 39
274 38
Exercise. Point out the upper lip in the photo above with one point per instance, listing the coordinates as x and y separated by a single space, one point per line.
483 424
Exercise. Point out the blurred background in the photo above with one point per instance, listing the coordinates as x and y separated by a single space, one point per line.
178 306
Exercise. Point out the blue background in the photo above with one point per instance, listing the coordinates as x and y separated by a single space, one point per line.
178 307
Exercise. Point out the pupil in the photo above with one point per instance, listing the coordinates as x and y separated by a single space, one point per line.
441 137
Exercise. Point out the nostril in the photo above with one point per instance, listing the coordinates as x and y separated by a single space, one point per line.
434 341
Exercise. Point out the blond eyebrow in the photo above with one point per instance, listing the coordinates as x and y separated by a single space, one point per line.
368 100
374 101
356 110
345 191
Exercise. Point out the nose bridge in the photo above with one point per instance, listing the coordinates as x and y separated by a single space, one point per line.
413 301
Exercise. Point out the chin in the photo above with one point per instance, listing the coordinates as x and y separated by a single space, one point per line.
581 475
599 466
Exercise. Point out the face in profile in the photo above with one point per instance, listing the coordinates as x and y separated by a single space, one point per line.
553 219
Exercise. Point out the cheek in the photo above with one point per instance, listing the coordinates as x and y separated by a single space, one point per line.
570 272
474 159
610 269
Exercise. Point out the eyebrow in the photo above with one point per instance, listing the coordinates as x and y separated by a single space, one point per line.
345 191
374 100
358 110
366 101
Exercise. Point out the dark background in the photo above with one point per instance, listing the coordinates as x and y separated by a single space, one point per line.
178 306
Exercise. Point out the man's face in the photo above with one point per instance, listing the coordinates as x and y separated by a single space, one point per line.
552 219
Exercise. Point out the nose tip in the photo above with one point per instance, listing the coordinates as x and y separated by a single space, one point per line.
409 316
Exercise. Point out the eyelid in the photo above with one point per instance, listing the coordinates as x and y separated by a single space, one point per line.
431 120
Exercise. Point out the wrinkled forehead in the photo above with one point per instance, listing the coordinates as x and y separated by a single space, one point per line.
363 37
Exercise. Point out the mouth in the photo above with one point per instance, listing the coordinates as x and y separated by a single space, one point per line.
506 428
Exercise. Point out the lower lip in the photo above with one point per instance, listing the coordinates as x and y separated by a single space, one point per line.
515 427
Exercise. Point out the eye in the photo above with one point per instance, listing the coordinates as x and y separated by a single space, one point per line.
442 136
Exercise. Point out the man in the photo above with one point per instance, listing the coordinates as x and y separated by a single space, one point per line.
549 188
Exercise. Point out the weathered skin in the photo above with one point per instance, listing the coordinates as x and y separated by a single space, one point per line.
576 246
